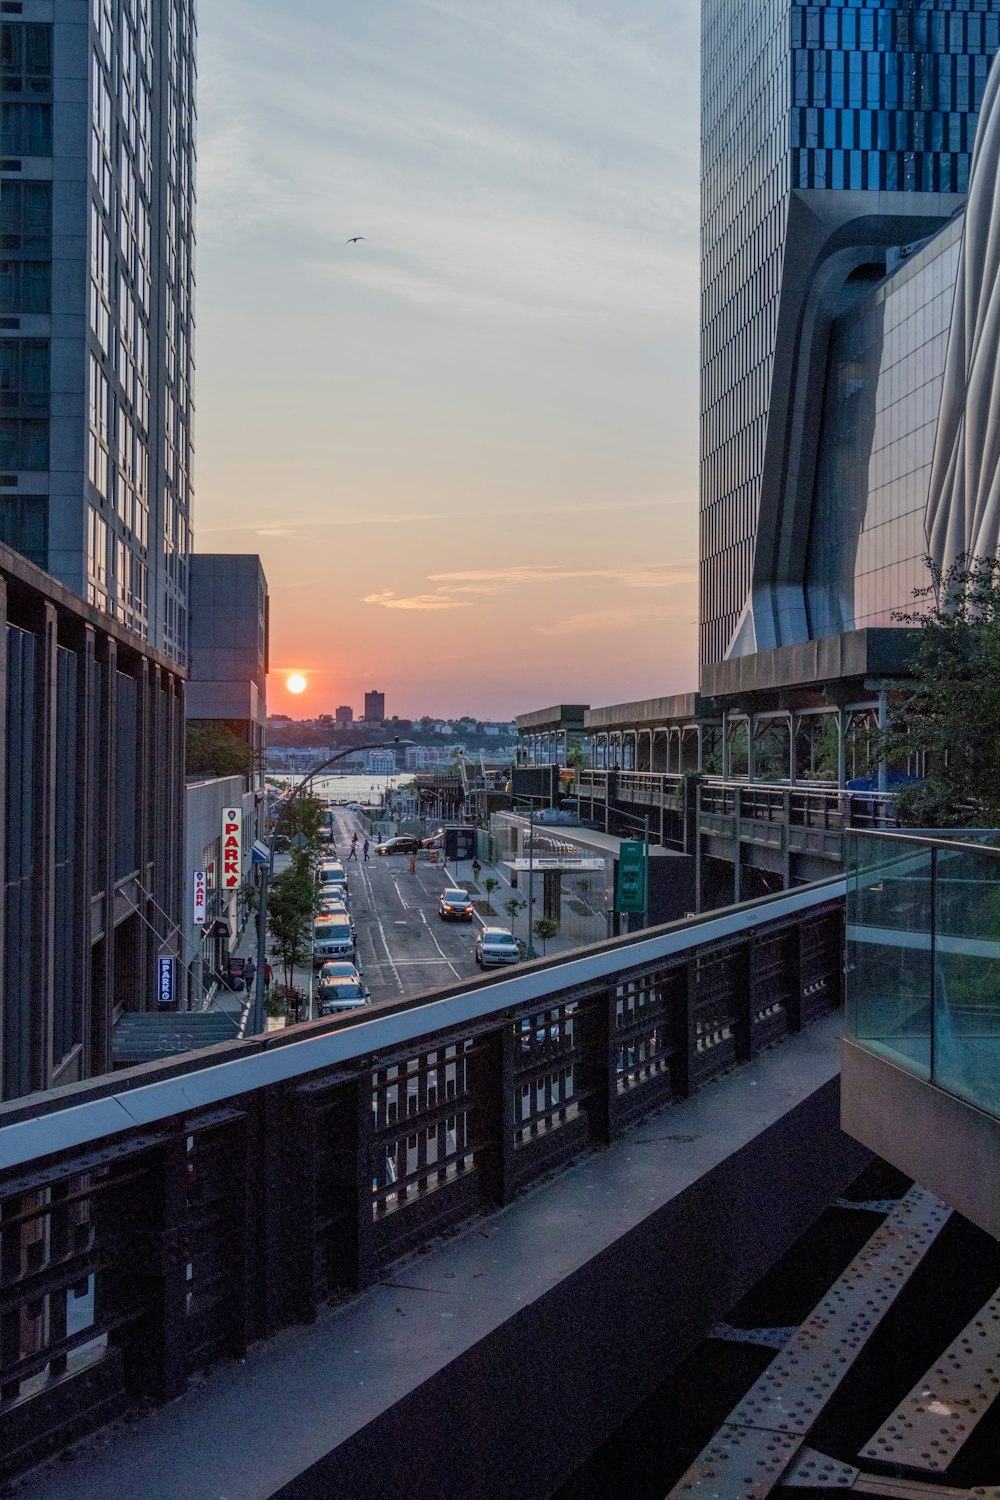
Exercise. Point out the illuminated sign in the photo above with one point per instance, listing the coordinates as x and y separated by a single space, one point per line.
200 896
164 981
232 850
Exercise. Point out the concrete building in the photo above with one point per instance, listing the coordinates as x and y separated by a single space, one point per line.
374 708
96 297
344 715
229 644
833 139
91 789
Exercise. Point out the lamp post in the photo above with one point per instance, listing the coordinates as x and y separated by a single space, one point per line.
265 860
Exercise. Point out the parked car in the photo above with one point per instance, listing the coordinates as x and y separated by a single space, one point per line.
333 937
331 876
455 906
331 900
433 841
496 945
346 994
402 843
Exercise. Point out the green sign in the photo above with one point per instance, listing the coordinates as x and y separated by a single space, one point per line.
630 889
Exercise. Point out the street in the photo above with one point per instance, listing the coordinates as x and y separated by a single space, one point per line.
403 946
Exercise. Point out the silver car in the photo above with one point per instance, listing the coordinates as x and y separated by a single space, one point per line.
496 946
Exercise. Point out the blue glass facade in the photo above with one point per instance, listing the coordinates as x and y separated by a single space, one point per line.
847 97
867 543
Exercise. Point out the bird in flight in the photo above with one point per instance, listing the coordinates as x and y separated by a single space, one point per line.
354 241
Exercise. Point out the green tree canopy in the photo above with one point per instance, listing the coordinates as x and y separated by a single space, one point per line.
212 749
951 713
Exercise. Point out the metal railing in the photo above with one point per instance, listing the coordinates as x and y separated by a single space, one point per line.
806 806
161 1218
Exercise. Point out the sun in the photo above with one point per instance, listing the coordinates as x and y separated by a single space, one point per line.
296 683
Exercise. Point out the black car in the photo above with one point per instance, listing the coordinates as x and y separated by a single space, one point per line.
403 843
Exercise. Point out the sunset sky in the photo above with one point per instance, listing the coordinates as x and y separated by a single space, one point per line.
464 447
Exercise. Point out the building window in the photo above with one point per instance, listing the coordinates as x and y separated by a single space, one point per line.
24 525
25 286
24 375
97 559
25 59
26 218
25 130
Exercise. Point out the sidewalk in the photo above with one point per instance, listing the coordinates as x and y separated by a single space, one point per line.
553 945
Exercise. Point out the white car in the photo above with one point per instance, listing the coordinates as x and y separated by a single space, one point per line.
496 946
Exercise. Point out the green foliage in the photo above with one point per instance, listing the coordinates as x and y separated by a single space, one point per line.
575 757
303 815
544 928
952 714
212 749
292 903
512 907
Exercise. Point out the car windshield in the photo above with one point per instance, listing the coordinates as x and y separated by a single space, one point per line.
498 939
346 989
456 896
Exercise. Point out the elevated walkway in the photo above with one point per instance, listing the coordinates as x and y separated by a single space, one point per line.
489 1366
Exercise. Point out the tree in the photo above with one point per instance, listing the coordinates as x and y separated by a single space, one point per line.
490 884
575 757
212 749
949 716
291 906
545 928
512 907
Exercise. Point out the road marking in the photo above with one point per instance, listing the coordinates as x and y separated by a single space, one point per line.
423 918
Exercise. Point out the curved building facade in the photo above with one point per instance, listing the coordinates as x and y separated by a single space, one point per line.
835 137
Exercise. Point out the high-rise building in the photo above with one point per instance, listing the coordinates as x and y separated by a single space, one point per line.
835 137
344 714
374 708
97 155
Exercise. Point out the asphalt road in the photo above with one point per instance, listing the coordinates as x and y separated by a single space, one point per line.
403 945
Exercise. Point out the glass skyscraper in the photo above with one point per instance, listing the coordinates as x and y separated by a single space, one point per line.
834 137
97 158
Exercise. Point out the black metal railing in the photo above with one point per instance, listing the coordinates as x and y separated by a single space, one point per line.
158 1220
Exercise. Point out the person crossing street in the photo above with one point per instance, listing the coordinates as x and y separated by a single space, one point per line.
365 850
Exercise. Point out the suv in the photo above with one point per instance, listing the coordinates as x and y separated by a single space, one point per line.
494 946
339 988
455 906
333 937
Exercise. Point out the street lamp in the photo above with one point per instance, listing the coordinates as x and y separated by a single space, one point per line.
263 855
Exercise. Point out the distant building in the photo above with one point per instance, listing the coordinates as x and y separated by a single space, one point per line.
345 714
374 708
380 762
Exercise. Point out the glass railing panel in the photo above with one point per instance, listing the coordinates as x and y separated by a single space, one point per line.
889 960
966 1055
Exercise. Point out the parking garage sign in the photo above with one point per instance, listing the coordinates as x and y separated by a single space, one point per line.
232 847
200 897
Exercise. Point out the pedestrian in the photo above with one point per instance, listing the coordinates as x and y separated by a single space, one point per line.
354 852
477 869
268 974
249 970
365 851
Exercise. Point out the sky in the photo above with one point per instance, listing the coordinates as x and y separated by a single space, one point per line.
465 447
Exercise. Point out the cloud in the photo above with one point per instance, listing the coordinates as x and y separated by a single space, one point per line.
634 576
389 600
604 621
